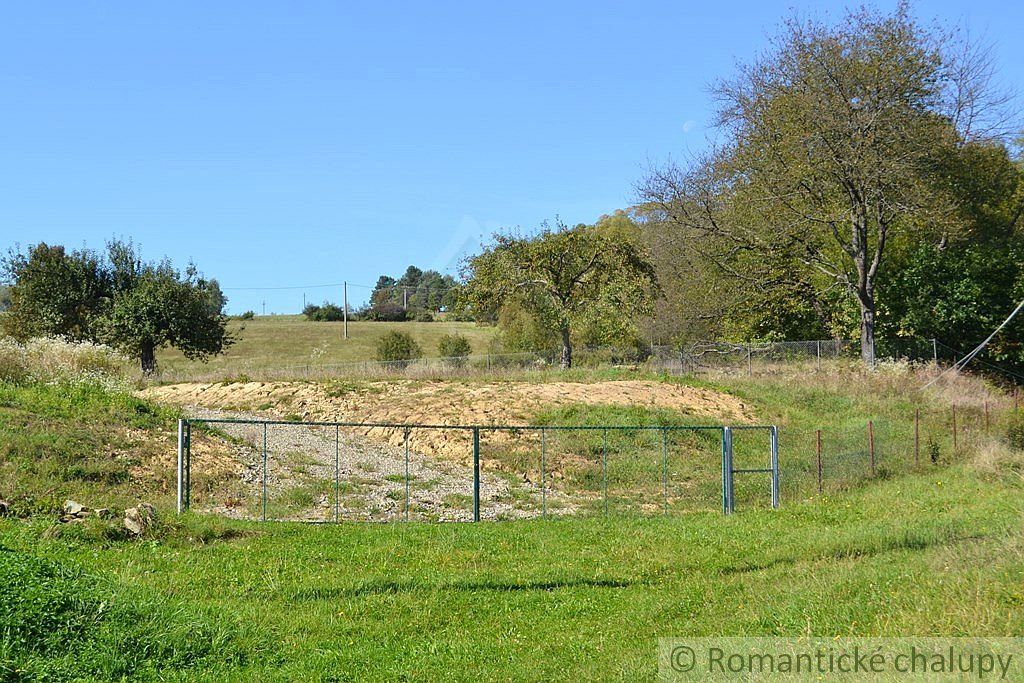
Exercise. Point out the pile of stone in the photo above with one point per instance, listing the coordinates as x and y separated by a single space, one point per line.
137 520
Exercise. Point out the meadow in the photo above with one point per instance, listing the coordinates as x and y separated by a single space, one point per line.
939 553
290 343
930 548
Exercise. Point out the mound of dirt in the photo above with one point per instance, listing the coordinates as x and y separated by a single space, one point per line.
444 403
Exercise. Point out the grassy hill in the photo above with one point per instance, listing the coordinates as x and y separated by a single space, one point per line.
940 553
934 548
282 341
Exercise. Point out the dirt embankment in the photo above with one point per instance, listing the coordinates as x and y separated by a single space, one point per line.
444 403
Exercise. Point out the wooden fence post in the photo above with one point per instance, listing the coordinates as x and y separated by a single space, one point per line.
818 450
954 430
917 437
871 444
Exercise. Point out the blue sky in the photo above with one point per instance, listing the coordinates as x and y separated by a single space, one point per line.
299 143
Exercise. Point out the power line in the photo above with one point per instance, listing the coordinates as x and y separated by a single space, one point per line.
960 364
337 284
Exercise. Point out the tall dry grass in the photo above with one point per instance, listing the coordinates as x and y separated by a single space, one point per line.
50 360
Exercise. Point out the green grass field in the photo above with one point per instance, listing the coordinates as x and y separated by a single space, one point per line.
568 600
280 341
935 549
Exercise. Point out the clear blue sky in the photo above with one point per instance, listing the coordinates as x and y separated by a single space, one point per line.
298 143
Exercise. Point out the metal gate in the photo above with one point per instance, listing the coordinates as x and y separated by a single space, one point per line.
599 469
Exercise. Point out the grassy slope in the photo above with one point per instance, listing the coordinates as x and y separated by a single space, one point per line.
285 340
932 552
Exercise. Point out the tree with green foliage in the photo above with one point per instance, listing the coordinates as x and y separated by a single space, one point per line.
164 307
5 298
54 292
117 299
838 143
568 278
327 312
416 291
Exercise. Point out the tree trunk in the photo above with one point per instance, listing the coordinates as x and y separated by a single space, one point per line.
148 359
867 328
566 348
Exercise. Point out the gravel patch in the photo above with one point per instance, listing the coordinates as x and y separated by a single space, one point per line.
302 461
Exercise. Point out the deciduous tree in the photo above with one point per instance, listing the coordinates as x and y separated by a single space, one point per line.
565 277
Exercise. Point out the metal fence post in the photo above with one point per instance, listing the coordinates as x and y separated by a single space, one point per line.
604 469
476 478
935 351
543 478
817 344
263 495
664 467
750 370
407 475
776 493
181 466
337 474
986 417
871 445
188 464
476 474
727 488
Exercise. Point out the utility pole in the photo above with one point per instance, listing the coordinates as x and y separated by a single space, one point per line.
303 301
345 296
405 298
264 307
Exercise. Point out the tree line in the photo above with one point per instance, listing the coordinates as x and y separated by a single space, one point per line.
417 295
864 184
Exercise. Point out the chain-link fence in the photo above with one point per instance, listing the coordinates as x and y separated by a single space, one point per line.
328 472
755 358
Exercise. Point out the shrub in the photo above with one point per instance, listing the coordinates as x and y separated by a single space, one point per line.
424 317
248 315
455 348
399 348
1015 430
328 312
387 312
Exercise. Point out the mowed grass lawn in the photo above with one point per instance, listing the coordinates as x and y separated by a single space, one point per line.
276 341
940 553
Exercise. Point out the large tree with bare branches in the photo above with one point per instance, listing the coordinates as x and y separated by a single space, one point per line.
835 141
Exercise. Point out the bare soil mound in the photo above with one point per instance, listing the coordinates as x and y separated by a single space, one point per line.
443 403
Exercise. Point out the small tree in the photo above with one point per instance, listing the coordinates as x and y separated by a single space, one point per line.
164 308
454 348
566 277
398 348
54 292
